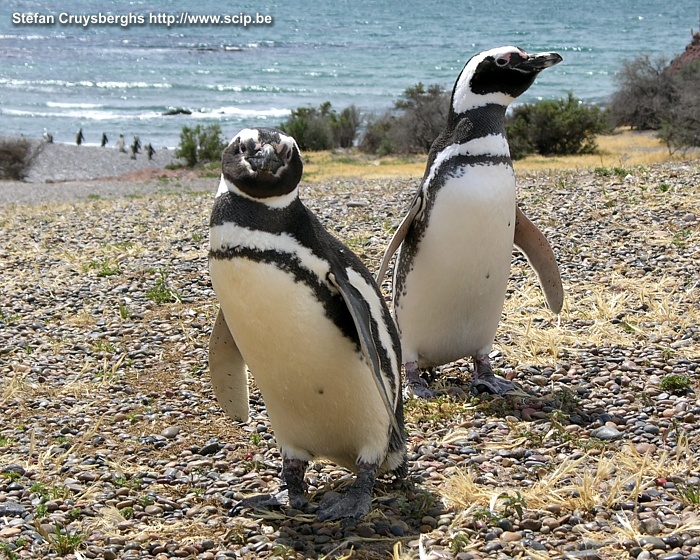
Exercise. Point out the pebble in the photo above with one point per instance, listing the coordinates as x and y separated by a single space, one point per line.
606 433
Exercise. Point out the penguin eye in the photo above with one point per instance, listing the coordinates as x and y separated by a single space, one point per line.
502 61
242 147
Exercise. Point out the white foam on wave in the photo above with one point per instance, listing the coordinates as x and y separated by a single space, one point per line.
62 105
256 88
19 83
83 114
238 112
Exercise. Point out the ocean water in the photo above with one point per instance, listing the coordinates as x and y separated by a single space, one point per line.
121 76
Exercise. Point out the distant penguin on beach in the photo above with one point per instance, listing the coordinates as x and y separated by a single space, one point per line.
136 145
132 152
150 151
79 137
104 140
120 144
47 136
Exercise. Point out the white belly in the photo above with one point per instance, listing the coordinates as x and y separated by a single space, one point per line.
320 394
455 291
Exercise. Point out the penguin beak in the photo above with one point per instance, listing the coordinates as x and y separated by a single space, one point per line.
539 61
266 160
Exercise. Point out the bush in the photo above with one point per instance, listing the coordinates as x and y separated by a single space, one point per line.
424 117
655 96
16 158
200 144
322 129
560 127
412 126
643 96
376 139
680 127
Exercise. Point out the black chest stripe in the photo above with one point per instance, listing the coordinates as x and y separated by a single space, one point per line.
332 303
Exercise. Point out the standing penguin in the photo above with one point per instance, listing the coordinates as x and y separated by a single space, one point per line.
150 151
306 317
79 137
456 242
103 140
121 146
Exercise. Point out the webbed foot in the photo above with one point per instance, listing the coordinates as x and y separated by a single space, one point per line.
416 386
262 501
293 495
355 502
485 381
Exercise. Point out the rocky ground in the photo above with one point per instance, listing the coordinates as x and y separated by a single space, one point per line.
113 446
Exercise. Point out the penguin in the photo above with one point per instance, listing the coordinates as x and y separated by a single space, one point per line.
121 144
150 151
455 243
302 312
136 144
103 140
47 136
79 137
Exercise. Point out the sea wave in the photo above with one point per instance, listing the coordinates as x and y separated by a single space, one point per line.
19 83
238 112
83 114
257 89
94 114
61 105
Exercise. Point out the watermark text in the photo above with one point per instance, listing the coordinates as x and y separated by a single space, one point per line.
165 19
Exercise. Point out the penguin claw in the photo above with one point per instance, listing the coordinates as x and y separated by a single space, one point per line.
261 501
349 504
270 501
488 382
355 502
418 390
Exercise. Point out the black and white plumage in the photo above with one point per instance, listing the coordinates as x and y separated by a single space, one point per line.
456 242
306 317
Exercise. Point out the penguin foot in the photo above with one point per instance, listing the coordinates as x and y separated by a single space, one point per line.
418 390
416 386
293 471
263 501
485 381
355 502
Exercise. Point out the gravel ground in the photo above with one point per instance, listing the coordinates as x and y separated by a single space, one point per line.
113 445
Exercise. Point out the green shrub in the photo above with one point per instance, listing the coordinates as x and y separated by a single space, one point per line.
322 128
677 384
557 127
200 144
376 139
412 126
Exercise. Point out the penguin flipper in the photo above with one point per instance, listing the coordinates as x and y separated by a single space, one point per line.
361 316
228 371
530 240
399 236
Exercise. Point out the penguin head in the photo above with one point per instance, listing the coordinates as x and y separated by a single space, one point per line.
262 162
498 76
